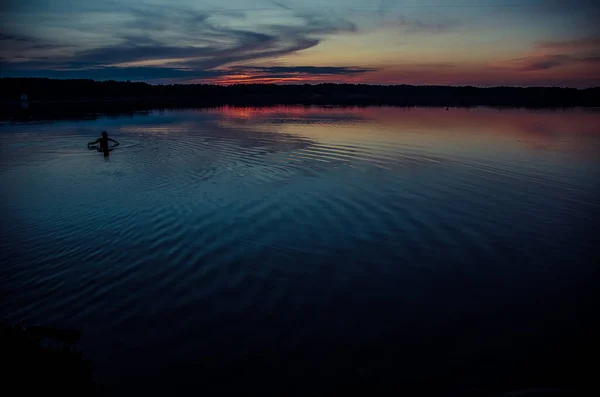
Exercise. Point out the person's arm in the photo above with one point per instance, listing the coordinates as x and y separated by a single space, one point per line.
112 140
93 143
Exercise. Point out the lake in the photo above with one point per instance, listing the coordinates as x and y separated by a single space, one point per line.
288 247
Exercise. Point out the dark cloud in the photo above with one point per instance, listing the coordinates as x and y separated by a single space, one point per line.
286 71
545 62
281 5
15 46
194 40
112 73
131 52
13 37
81 71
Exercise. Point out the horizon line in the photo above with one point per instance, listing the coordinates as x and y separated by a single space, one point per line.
299 84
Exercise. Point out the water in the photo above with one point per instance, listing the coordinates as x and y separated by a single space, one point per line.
290 244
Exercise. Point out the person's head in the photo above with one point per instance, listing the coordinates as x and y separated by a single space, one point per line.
104 134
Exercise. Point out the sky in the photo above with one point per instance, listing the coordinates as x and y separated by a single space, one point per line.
453 42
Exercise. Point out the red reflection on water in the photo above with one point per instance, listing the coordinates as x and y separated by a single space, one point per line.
247 112
537 129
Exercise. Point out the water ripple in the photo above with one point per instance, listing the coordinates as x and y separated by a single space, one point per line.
200 221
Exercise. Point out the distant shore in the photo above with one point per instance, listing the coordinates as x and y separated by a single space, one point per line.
42 98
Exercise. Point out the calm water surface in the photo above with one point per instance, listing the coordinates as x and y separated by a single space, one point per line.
256 245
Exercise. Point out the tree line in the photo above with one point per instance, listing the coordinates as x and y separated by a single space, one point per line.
43 90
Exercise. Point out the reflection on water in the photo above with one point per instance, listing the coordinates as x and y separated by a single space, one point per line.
308 242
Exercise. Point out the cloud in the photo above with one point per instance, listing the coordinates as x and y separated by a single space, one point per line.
585 43
296 70
281 5
583 52
161 73
436 65
546 62
189 42
113 73
283 74
13 37
17 47
481 75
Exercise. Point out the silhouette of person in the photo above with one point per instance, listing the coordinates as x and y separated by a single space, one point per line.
103 140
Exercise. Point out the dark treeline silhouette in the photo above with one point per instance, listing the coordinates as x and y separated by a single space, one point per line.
47 94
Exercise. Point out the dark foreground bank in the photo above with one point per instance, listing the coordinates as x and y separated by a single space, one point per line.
22 97
45 360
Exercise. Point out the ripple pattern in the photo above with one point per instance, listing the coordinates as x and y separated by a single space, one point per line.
204 227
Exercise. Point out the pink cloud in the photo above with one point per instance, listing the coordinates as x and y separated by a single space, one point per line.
585 43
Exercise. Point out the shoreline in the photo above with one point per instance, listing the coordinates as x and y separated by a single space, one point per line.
57 109
37 97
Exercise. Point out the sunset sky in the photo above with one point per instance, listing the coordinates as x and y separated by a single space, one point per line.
456 42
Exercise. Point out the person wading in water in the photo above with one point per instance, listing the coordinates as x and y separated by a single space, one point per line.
103 140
